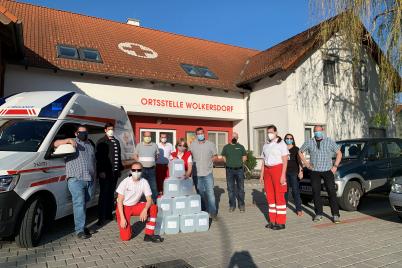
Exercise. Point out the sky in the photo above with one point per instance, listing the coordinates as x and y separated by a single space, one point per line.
257 24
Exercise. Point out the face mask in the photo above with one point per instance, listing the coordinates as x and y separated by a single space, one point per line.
289 141
271 136
234 140
163 140
82 135
200 137
318 135
181 148
110 133
136 175
147 139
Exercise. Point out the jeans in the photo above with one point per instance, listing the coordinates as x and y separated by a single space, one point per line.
81 192
106 197
206 189
150 175
235 183
329 182
293 182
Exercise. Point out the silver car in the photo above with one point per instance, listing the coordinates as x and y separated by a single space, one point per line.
395 196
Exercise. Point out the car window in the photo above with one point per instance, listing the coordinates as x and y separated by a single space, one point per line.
375 150
351 149
394 149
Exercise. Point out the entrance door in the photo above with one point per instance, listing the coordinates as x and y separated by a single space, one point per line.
155 134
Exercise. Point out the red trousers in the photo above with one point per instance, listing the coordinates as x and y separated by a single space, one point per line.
162 172
125 234
275 193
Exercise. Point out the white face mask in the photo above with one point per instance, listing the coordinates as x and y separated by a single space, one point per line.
136 175
110 133
271 136
163 140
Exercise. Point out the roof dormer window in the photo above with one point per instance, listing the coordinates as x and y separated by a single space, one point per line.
198 71
74 53
67 52
90 54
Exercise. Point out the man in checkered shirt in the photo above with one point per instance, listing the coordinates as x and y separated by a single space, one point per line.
321 150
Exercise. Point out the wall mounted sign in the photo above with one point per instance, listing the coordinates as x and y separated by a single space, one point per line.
190 105
138 50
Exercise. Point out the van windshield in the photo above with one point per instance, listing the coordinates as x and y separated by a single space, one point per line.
23 135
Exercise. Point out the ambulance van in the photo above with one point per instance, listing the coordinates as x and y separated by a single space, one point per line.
33 183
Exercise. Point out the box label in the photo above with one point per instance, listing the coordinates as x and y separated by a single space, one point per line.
188 222
180 205
172 224
178 167
173 187
202 222
165 207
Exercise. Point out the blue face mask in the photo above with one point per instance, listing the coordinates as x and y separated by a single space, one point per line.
318 134
200 137
289 141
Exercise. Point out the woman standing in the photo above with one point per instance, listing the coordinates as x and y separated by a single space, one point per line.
183 153
273 176
294 172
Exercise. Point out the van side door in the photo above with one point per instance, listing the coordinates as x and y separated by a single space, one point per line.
378 166
394 153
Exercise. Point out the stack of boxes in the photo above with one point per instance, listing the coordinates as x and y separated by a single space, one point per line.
179 209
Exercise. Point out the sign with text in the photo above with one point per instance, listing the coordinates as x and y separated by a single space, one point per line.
189 105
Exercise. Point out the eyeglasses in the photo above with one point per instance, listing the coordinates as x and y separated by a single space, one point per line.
136 169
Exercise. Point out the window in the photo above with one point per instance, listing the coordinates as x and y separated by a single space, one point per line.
67 52
155 134
351 149
260 138
360 76
198 71
377 132
220 139
90 54
330 70
394 149
375 151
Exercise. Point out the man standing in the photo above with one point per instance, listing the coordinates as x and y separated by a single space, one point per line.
109 167
234 155
204 153
165 149
80 172
130 191
321 150
146 153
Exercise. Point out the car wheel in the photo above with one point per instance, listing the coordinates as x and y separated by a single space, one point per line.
306 199
32 225
351 196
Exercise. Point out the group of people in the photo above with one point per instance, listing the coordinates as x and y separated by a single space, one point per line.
282 166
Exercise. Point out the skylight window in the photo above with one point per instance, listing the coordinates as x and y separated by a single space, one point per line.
90 54
198 71
67 52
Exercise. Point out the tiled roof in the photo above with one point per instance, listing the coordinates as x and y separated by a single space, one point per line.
44 28
280 57
7 17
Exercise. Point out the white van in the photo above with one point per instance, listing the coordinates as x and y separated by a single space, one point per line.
33 185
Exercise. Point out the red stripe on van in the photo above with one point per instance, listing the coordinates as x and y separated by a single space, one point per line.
13 172
17 112
93 118
47 181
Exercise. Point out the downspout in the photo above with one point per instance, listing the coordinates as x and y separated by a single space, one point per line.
248 120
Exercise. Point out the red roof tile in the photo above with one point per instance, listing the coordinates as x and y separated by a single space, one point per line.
44 28
7 17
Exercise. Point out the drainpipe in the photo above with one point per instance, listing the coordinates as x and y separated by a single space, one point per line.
248 119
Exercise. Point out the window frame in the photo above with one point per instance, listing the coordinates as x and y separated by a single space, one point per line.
59 55
257 149
82 57
198 71
335 60
363 76
217 132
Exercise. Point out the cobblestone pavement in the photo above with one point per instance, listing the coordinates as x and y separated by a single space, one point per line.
371 237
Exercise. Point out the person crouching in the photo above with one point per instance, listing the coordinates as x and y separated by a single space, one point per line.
130 191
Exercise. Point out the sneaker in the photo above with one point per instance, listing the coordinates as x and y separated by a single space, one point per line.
232 209
317 218
83 235
153 238
336 219
270 225
214 217
278 227
242 209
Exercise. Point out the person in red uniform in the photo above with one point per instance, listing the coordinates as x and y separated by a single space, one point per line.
183 153
273 177
130 191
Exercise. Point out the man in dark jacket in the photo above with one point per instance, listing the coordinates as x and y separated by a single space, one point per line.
109 167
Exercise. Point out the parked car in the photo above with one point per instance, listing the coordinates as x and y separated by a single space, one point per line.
33 183
395 196
367 165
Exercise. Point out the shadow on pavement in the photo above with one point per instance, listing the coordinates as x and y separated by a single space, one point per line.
376 205
218 192
260 201
242 259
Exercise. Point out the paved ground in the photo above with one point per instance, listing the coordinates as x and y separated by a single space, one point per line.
369 238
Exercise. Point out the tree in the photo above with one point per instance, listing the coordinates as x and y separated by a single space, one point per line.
375 23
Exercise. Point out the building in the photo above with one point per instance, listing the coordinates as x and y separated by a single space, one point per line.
173 83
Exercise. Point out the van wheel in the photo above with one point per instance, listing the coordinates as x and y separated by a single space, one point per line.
351 196
32 225
306 199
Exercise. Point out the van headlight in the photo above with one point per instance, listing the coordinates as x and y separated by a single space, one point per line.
396 188
8 182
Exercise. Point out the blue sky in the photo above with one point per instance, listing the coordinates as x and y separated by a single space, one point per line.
257 24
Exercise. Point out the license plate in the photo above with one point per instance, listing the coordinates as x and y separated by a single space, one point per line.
305 188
